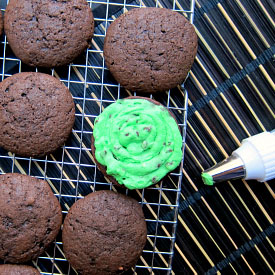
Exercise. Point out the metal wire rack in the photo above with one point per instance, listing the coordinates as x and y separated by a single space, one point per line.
71 171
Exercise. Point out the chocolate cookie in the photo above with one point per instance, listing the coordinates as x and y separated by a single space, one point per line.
104 233
30 217
150 49
1 23
48 33
136 142
8 269
36 114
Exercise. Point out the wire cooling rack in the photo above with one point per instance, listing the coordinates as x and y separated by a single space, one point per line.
71 171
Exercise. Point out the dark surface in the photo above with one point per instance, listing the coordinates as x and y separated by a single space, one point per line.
30 217
228 228
9 269
48 33
36 114
150 50
104 233
1 24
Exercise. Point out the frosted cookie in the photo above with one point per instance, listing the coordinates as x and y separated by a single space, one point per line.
136 142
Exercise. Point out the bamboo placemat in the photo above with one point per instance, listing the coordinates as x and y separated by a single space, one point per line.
228 228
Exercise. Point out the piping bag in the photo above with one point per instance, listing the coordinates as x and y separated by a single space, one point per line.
254 159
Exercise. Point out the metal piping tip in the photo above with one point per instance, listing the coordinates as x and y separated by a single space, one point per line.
228 169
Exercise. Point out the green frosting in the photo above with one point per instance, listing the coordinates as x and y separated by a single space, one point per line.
207 179
139 142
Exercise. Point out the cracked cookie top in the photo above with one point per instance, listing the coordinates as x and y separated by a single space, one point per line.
10 269
104 233
48 33
36 114
30 217
150 49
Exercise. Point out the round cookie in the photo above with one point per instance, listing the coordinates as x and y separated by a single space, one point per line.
30 217
9 269
36 114
104 233
136 142
48 33
150 49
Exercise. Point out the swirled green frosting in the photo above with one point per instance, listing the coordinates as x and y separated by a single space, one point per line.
139 142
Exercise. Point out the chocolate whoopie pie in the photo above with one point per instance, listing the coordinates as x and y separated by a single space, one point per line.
136 142
30 217
150 49
104 233
37 114
48 33
8 269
